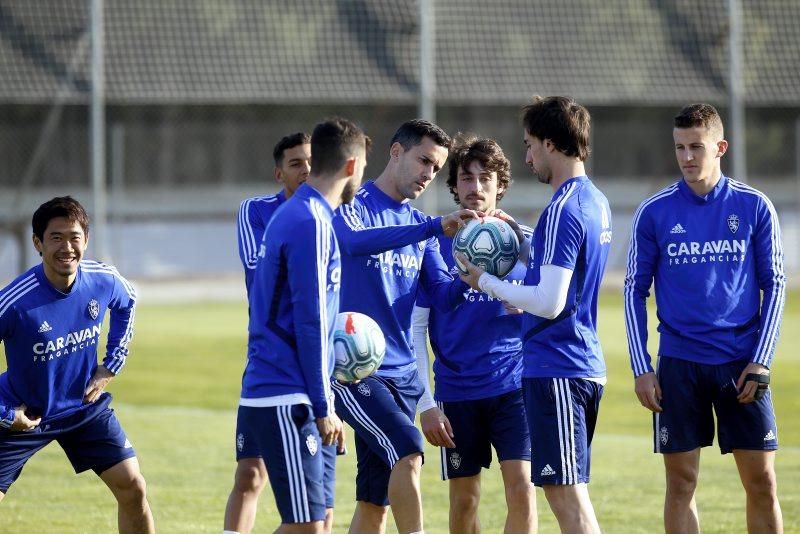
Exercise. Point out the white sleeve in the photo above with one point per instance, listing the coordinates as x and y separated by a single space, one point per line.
525 251
545 300
419 327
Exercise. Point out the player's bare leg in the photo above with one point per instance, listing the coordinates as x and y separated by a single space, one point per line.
249 481
369 518
405 495
573 508
520 497
128 486
2 495
680 507
465 494
316 527
328 525
757 471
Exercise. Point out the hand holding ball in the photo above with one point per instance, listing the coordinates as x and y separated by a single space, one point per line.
490 243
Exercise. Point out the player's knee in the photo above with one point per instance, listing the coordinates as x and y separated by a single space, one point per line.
464 500
761 485
249 479
131 490
681 483
372 516
411 464
520 493
562 500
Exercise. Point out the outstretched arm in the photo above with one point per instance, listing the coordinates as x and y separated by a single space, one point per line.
547 299
356 239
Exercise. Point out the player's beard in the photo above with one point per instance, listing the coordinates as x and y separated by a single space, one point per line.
348 192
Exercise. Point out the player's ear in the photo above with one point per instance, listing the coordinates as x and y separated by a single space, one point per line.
350 166
37 244
722 147
396 150
278 175
501 189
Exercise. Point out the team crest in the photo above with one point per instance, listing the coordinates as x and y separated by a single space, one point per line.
733 223
311 443
363 388
455 460
240 442
663 435
94 309
421 245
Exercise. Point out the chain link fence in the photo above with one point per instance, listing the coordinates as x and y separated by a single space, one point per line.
198 91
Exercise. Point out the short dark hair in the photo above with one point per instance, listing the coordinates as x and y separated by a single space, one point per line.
561 120
66 207
289 141
333 142
485 151
411 132
704 115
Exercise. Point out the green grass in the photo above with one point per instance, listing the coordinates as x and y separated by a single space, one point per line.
177 399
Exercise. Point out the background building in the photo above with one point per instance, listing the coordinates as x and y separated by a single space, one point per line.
196 92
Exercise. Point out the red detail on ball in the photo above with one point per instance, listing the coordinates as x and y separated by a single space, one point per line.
349 327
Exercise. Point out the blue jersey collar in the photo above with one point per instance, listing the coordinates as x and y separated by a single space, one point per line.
572 180
44 282
384 198
307 192
712 195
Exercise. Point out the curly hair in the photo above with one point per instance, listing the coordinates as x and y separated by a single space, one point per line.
469 148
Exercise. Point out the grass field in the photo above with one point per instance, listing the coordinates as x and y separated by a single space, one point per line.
177 399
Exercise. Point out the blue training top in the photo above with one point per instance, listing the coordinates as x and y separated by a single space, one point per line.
712 257
388 250
254 216
51 338
477 346
294 300
574 232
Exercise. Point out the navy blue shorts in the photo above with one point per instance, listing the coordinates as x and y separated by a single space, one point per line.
478 425
692 393
92 439
381 411
301 472
562 414
247 446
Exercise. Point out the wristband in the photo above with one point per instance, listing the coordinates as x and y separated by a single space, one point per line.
762 381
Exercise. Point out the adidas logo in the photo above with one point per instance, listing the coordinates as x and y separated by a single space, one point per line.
677 229
770 436
547 471
45 327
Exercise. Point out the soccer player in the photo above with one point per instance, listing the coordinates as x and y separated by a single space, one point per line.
286 412
389 249
292 164
713 247
50 320
292 156
478 370
564 371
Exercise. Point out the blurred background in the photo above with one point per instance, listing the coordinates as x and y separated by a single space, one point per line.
161 115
